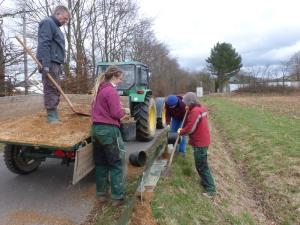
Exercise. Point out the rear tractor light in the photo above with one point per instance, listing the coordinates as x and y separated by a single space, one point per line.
140 91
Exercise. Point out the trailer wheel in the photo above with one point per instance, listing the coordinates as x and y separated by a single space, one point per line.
145 116
18 164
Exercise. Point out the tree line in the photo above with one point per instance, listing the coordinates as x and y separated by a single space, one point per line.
107 30
98 30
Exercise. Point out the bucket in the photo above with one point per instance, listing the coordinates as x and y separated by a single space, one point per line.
172 138
138 158
128 130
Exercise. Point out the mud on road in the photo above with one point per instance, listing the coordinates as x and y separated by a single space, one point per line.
45 197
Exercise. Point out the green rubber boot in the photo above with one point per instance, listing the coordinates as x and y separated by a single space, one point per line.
52 116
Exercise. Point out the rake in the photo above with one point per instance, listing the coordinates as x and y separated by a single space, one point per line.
51 79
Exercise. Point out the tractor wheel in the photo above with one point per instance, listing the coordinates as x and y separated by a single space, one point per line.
18 164
160 112
145 116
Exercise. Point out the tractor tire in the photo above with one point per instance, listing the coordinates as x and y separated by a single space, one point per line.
160 113
145 115
18 164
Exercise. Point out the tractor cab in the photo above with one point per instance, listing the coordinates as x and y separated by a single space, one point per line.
147 111
136 76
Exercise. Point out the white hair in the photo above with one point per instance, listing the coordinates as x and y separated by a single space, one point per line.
190 98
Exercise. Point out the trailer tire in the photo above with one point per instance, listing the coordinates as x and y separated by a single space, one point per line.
145 115
18 164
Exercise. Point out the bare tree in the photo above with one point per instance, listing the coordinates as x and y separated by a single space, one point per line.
107 30
295 65
9 56
285 68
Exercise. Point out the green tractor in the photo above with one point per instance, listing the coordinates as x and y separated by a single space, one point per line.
149 113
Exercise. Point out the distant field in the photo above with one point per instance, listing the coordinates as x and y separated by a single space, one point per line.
263 134
283 105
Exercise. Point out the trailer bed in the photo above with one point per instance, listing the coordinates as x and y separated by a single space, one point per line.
33 130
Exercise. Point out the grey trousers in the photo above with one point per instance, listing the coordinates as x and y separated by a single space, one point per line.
51 94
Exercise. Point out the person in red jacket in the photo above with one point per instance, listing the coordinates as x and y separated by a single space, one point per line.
196 127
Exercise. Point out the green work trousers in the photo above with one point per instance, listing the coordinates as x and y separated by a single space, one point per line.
109 156
207 181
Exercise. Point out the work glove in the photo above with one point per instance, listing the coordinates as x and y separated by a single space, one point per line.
44 70
168 127
179 131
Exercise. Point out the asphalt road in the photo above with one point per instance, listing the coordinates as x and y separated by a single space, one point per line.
46 196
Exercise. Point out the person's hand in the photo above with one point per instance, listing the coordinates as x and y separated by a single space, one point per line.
40 69
44 70
179 131
126 111
186 108
168 127
125 118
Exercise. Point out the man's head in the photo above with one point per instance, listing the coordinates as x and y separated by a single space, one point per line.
189 98
62 14
172 101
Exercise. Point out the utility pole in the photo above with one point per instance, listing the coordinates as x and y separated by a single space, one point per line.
2 61
25 53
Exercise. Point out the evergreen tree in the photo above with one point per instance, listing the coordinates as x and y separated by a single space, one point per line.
224 62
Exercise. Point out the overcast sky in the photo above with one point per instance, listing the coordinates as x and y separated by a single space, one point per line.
263 32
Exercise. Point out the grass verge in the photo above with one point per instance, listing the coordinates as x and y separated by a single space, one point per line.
268 146
106 214
178 199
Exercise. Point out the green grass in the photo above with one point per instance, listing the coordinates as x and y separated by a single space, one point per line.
178 199
109 215
268 145
1 147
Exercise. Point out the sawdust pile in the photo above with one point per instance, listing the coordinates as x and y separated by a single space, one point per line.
133 171
34 129
142 213
25 217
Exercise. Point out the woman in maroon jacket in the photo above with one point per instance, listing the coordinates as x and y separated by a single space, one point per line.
196 126
108 146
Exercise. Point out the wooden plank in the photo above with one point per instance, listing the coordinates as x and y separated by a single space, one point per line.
84 163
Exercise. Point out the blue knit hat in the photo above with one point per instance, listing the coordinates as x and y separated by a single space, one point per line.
172 100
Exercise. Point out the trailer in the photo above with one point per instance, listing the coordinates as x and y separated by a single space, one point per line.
25 150
29 140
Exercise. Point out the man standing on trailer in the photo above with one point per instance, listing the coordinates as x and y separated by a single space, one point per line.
51 54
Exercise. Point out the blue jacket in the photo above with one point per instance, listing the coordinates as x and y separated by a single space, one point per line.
51 42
